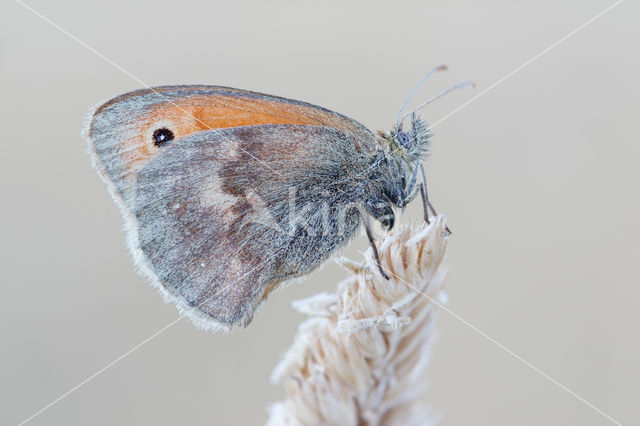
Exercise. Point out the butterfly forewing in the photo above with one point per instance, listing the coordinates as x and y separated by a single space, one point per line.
122 130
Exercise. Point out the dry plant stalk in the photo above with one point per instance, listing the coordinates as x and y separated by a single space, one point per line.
361 356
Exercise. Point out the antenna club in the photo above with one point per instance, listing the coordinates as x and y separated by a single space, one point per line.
442 67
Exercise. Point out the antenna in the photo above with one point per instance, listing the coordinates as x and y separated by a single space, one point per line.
464 85
415 91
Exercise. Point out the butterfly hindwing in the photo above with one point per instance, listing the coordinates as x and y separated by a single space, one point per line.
225 215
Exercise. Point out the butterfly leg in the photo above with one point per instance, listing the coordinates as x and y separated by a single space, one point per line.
426 204
367 227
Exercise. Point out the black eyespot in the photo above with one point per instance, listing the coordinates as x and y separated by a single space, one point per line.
162 136
404 139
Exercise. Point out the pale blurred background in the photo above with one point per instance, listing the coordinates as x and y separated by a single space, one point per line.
538 177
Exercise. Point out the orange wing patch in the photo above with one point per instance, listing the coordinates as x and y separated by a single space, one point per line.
200 113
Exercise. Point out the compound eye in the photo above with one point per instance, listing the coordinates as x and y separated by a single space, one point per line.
404 139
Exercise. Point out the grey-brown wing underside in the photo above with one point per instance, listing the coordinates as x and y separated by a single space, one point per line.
225 215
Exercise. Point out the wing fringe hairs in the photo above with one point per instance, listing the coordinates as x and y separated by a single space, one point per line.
360 357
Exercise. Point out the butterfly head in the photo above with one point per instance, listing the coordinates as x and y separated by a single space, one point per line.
411 144
404 148
399 159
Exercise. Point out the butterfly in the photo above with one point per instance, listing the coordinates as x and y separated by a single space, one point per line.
226 193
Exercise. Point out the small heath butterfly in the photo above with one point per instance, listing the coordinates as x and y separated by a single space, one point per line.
227 193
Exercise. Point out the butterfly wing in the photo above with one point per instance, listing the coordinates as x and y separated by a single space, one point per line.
121 131
225 215
212 217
